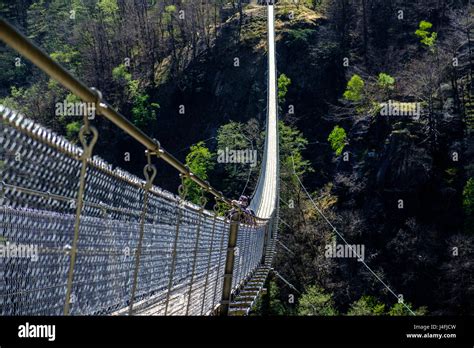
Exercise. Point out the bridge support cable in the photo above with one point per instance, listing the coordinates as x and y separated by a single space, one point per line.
284 247
349 245
291 286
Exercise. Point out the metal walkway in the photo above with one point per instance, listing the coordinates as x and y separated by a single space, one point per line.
265 201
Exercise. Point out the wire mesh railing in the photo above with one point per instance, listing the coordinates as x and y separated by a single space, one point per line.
182 249
99 240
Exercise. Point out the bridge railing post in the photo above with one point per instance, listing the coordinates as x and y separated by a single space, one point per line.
265 243
229 265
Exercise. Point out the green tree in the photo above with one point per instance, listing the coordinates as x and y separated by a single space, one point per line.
72 130
13 101
299 39
276 307
398 309
235 135
427 37
270 303
292 145
238 136
121 75
80 10
283 83
337 139
355 89
200 162
143 112
66 57
109 9
37 20
168 13
315 301
366 305
49 24
386 82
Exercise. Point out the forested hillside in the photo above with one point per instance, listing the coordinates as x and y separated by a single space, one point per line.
376 107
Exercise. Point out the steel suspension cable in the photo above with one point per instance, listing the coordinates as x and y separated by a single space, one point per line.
344 240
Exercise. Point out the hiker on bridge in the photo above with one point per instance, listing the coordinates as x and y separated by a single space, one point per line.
248 216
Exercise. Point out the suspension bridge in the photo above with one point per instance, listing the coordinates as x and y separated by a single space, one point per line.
110 243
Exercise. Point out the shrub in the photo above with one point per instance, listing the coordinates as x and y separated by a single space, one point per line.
337 139
355 89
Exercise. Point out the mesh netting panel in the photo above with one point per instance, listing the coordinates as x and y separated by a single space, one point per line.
250 241
182 259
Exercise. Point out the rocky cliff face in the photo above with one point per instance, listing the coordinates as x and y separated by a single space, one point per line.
228 81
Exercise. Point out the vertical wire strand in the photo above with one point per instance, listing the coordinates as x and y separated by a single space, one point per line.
209 258
196 247
87 152
149 182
